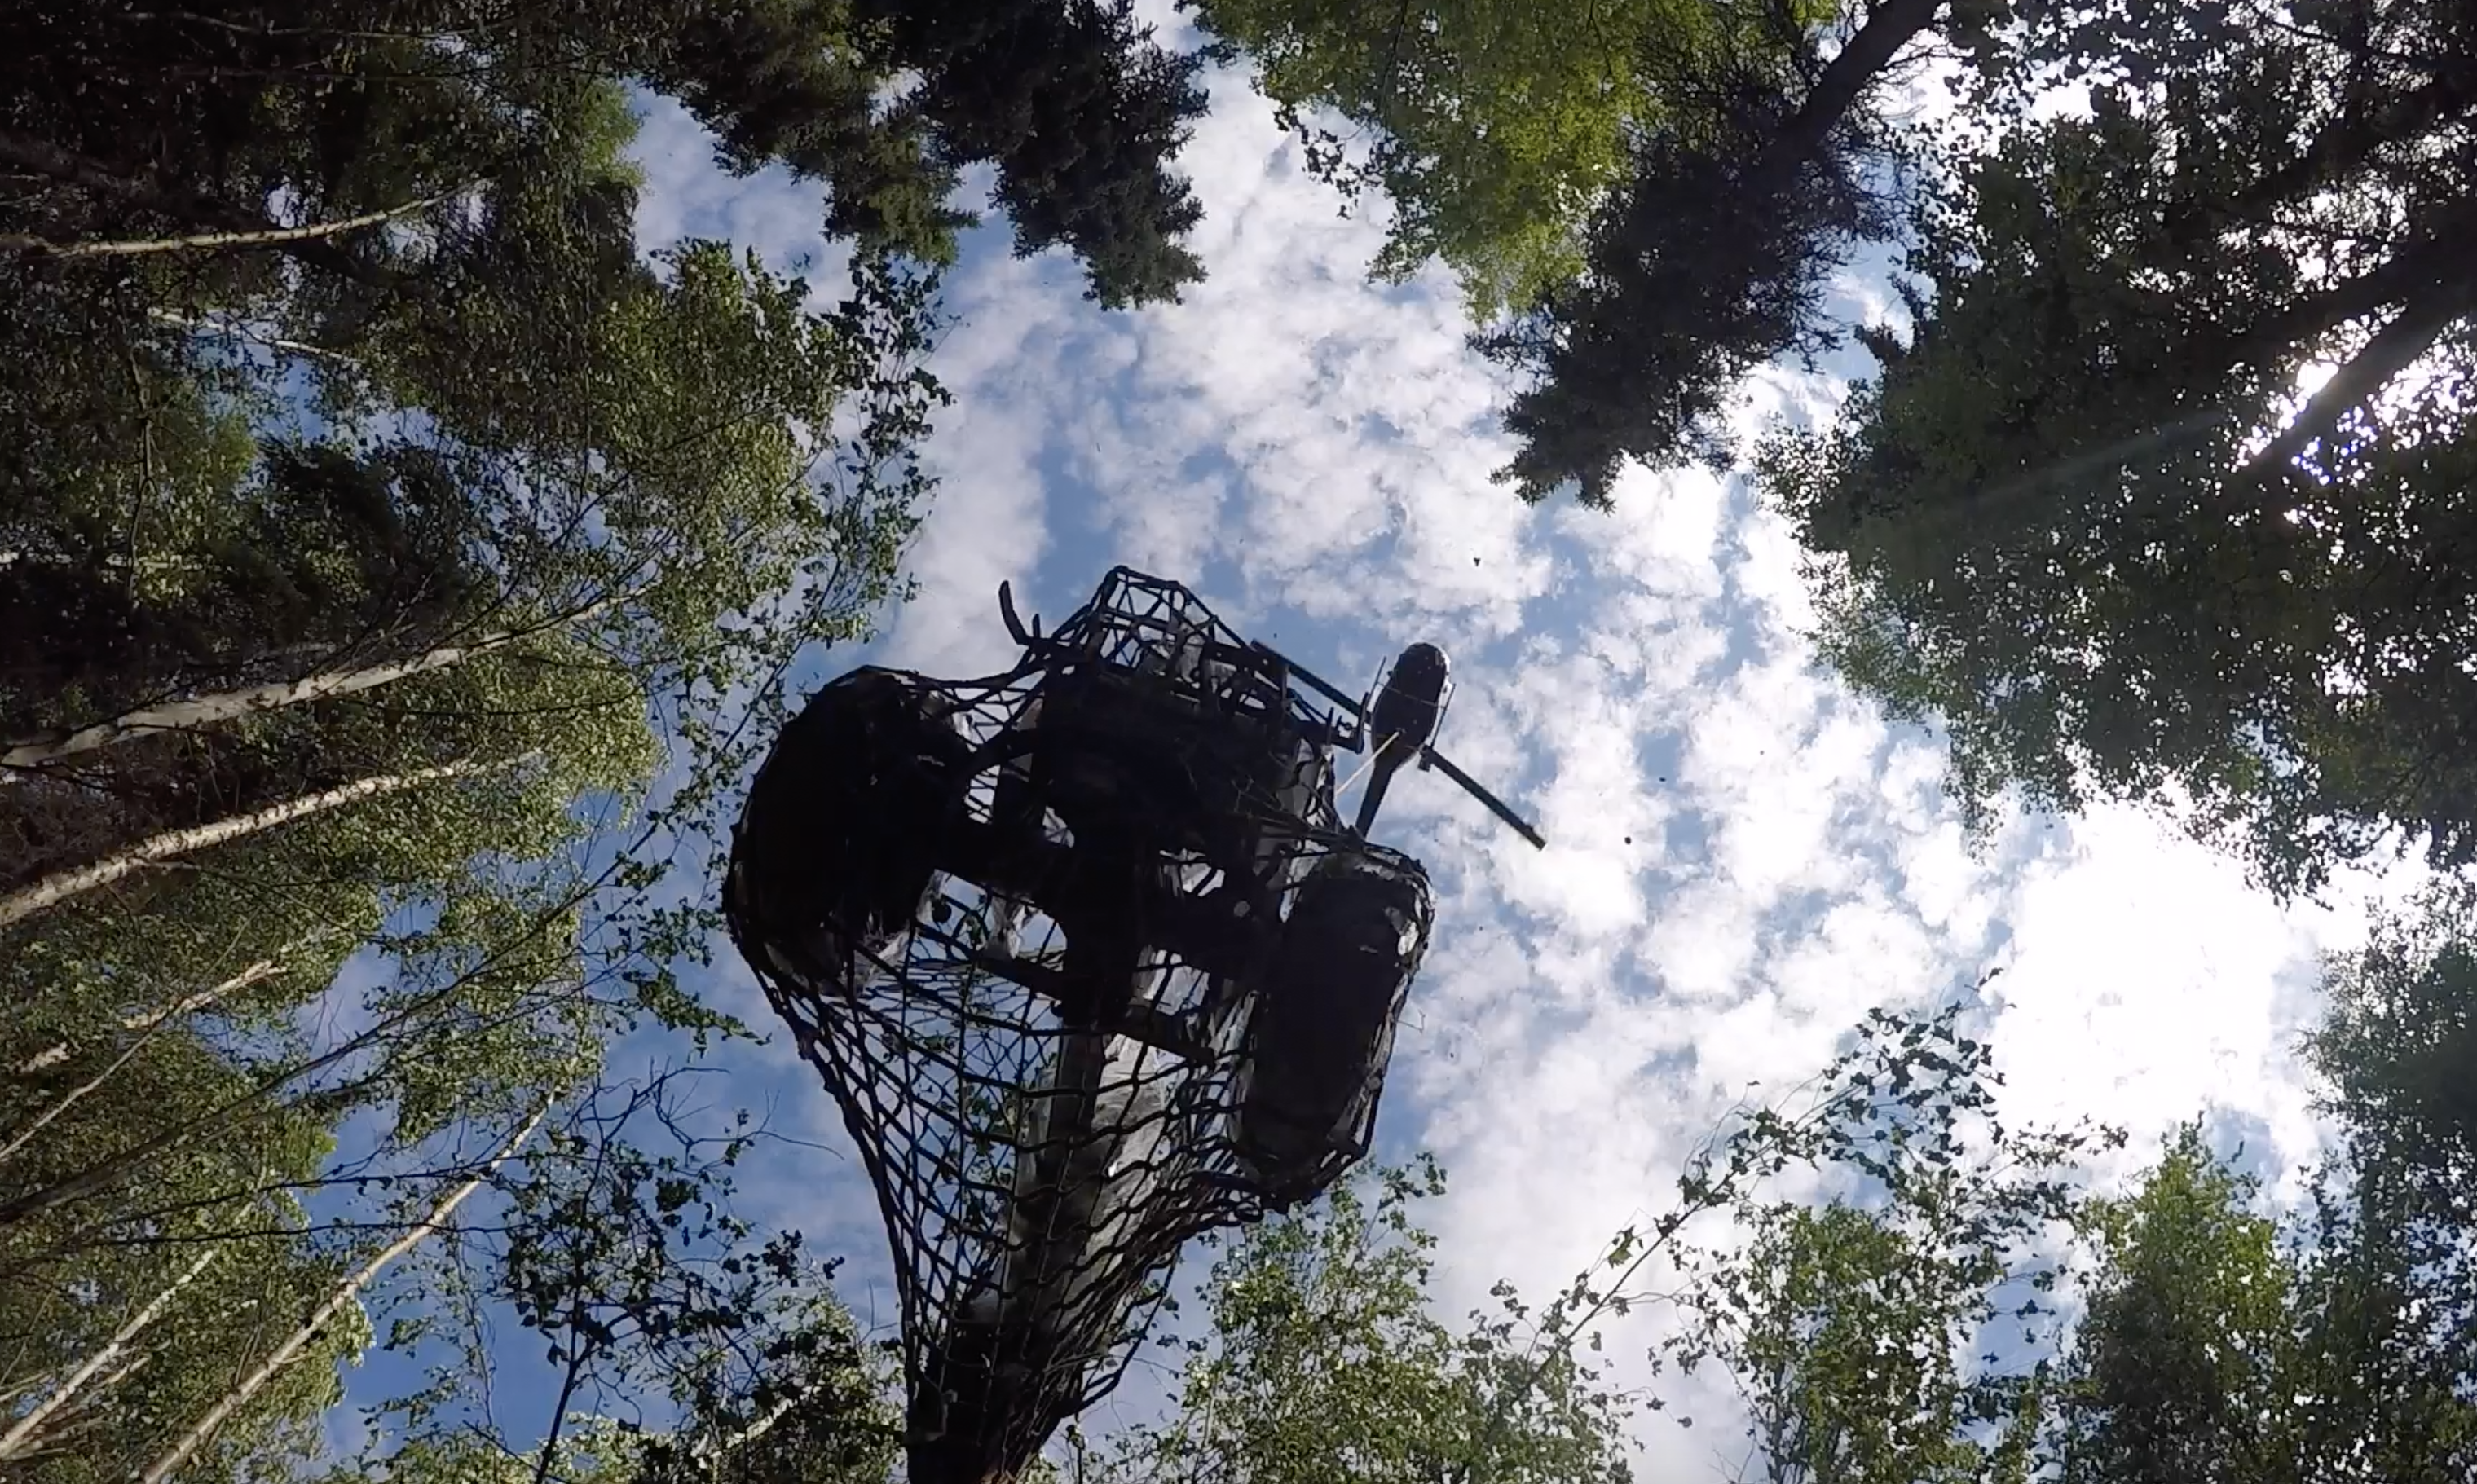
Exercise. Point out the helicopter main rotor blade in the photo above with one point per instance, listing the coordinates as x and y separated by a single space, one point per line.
1436 759
1496 806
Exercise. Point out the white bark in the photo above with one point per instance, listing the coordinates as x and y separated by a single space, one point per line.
27 1431
259 236
147 1019
145 1025
226 706
244 333
346 1292
59 886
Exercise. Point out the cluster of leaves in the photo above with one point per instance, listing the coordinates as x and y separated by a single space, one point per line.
2213 1340
1070 102
2090 516
1642 203
2162 495
1712 256
1322 1361
679 1341
1849 1324
2398 1042
1904 1288
1494 129
2220 1346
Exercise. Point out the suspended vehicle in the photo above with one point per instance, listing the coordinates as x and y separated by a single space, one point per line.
1090 963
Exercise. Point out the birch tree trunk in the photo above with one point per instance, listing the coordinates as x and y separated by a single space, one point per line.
146 1026
101 1175
255 237
250 1385
27 1432
226 706
59 886
147 1019
235 332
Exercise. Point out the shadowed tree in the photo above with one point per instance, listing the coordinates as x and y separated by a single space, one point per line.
180 125
2218 1345
1072 102
2166 495
1771 157
2399 1044
1080 112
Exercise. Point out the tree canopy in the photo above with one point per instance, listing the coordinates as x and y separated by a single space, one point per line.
1712 256
401 565
2163 492
1493 131
1321 1361
1070 100
400 570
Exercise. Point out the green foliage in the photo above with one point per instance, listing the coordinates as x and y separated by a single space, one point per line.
2218 1346
2400 1039
1322 1363
1078 111
1493 131
1507 138
1921 1327
683 1345
1886 1323
227 1200
1714 254
1070 101
1846 1324
478 487
377 105
2087 518
2175 1367
797 81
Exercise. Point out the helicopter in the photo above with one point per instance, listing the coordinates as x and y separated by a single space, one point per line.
1090 962
1401 714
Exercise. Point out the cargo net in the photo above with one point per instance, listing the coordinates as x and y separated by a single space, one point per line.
1089 964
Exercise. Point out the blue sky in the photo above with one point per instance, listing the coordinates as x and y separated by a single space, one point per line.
1742 856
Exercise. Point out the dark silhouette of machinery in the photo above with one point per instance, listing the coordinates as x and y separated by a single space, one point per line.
1090 964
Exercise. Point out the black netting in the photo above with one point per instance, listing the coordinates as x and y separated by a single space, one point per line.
1090 965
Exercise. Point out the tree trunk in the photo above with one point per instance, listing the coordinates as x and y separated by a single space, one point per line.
59 886
2438 255
1889 26
47 158
100 1176
346 1292
146 1025
25 752
2339 148
2391 351
255 237
26 1432
147 1019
